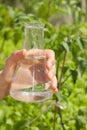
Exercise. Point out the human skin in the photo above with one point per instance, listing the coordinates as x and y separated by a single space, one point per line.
6 75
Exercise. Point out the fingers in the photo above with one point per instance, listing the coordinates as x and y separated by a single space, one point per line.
53 79
50 64
11 63
51 72
50 56
49 53
15 57
54 85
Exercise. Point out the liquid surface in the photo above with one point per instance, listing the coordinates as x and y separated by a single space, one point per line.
30 83
31 96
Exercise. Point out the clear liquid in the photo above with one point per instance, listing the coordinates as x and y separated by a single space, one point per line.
30 83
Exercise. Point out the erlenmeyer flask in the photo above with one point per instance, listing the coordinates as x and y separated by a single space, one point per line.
30 83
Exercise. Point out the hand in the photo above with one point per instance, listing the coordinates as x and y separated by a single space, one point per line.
11 63
7 74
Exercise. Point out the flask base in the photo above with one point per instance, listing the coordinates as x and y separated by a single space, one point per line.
31 96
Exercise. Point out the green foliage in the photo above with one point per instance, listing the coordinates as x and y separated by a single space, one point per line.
66 37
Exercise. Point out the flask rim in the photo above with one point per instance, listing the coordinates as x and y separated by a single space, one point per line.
34 25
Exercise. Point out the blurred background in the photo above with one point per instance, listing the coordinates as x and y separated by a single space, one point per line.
66 33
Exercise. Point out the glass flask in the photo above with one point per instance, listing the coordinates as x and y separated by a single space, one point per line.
30 83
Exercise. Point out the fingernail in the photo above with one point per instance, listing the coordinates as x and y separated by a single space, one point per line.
55 90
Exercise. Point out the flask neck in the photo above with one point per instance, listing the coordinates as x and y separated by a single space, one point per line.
34 36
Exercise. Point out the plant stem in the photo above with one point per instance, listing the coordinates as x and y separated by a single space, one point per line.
55 116
61 120
59 110
48 12
59 83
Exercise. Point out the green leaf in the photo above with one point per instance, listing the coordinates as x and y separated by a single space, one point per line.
65 45
65 69
80 44
74 74
82 65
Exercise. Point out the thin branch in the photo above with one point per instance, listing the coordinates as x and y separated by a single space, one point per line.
59 82
61 120
48 11
55 116
58 109
57 67
66 79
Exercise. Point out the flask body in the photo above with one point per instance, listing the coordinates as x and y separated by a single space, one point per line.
30 83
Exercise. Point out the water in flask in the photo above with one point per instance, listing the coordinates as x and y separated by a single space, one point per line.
30 83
